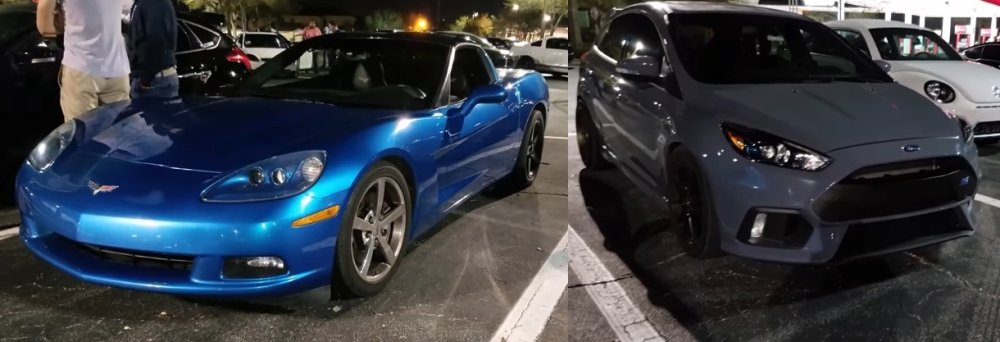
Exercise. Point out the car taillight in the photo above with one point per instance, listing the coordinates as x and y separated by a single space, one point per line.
237 56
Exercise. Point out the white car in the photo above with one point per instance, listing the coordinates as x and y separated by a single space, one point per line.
921 60
261 46
551 55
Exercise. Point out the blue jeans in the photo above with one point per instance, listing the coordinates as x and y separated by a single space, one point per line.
161 87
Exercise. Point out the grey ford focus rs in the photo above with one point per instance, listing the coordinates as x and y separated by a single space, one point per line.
770 137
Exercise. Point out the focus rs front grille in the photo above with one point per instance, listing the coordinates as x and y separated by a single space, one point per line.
897 188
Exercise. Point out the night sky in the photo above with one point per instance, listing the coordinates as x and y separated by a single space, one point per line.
450 9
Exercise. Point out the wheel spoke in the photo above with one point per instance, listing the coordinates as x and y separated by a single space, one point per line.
362 225
394 215
390 255
367 262
381 193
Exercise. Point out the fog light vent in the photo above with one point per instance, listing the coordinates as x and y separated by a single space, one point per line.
253 267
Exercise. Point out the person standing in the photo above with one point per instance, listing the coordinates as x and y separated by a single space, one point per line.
310 31
153 42
95 65
331 27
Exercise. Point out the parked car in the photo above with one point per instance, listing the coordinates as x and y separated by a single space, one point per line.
285 184
986 53
770 137
921 60
501 58
207 61
551 55
260 47
501 43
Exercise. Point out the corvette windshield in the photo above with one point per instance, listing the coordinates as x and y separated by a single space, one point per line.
903 44
376 73
740 48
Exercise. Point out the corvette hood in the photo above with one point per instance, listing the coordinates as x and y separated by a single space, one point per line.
217 134
829 116
973 80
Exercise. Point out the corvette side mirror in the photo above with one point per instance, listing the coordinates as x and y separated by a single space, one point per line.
490 93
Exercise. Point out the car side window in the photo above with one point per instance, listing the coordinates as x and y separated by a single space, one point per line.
538 43
991 52
184 42
557 43
468 72
205 36
613 41
855 39
641 38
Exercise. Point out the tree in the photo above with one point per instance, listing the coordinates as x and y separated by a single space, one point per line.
385 20
240 11
555 9
481 25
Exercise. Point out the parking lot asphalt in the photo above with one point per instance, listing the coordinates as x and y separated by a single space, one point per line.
947 293
457 284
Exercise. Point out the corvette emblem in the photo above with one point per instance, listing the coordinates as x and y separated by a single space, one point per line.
996 92
101 188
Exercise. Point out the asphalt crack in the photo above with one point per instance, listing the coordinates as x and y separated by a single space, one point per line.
964 283
627 276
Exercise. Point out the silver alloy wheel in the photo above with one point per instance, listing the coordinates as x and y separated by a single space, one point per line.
378 229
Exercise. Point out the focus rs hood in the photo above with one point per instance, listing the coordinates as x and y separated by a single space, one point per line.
217 134
830 116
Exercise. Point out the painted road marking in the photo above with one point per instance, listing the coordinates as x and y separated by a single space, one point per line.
527 319
627 321
556 138
6 233
988 200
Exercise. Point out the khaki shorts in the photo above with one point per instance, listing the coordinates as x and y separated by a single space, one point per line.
80 92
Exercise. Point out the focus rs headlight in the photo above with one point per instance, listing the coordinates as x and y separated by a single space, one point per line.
768 149
273 178
46 152
939 92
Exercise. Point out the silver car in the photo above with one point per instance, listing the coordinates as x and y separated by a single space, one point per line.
770 137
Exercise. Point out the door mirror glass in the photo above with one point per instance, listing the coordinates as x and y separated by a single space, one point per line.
639 66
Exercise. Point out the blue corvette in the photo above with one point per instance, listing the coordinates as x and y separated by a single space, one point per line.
296 180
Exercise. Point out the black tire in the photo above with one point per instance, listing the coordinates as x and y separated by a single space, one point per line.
526 63
589 140
529 157
347 280
692 213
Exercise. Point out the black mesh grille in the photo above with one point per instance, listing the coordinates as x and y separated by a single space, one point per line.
902 234
898 188
983 128
142 259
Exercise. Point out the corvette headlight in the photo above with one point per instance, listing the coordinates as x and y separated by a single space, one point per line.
277 177
940 92
766 148
46 152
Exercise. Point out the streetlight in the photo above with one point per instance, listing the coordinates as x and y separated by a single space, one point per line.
546 18
515 7
421 24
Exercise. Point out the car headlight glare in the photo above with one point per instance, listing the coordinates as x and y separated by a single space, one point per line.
939 92
766 148
274 178
46 152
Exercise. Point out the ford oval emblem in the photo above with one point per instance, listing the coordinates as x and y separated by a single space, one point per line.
911 148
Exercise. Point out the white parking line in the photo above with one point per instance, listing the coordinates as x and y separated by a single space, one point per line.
627 320
556 138
988 200
6 233
526 320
